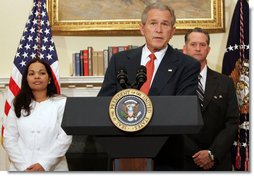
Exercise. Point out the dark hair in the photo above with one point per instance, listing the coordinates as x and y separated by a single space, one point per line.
158 6
197 29
23 100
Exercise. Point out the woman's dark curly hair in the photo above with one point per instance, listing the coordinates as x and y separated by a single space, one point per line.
23 100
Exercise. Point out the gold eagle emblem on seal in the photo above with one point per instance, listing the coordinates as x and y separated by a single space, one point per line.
130 110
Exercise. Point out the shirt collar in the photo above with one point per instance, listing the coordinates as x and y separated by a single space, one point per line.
203 73
159 54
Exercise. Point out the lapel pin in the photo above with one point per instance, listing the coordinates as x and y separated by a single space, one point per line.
170 70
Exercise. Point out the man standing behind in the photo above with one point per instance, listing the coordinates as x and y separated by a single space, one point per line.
173 72
210 149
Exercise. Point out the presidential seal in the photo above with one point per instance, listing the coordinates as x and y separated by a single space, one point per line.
130 110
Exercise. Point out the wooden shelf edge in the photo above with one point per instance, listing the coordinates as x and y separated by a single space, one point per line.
67 80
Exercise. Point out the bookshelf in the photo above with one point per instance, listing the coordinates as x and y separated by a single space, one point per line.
90 62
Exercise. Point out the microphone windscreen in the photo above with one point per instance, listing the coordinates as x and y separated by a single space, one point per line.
141 76
122 77
141 68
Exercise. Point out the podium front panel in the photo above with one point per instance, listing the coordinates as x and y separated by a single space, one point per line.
172 115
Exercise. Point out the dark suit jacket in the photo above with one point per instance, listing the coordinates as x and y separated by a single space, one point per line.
220 114
176 75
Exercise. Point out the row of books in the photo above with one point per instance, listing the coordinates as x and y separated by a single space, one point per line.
88 62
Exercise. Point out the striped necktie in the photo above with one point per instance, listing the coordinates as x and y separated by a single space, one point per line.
200 92
149 74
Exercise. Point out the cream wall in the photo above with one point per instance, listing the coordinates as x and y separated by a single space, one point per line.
14 14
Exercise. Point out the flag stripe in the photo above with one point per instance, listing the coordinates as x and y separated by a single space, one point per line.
7 107
14 88
55 74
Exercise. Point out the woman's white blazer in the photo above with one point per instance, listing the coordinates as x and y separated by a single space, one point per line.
38 138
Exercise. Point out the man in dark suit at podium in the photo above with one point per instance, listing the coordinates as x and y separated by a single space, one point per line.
210 149
173 72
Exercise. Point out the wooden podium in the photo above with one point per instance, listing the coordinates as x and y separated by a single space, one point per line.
172 115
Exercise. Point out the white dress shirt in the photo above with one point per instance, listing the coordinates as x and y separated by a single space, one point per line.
38 138
203 74
159 55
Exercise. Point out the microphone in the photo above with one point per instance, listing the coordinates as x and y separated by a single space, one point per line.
140 76
122 78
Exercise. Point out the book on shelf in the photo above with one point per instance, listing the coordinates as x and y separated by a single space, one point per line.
100 63
86 62
90 62
77 64
95 63
110 53
73 70
81 56
115 49
105 58
123 48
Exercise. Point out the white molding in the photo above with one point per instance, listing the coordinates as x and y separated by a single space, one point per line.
80 92
4 82
81 80
72 80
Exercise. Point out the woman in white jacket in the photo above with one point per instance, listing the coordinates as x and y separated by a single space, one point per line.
33 137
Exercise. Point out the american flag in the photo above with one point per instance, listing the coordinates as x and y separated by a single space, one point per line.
36 41
236 64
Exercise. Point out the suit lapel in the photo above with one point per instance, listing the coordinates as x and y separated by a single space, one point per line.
211 84
133 63
165 71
